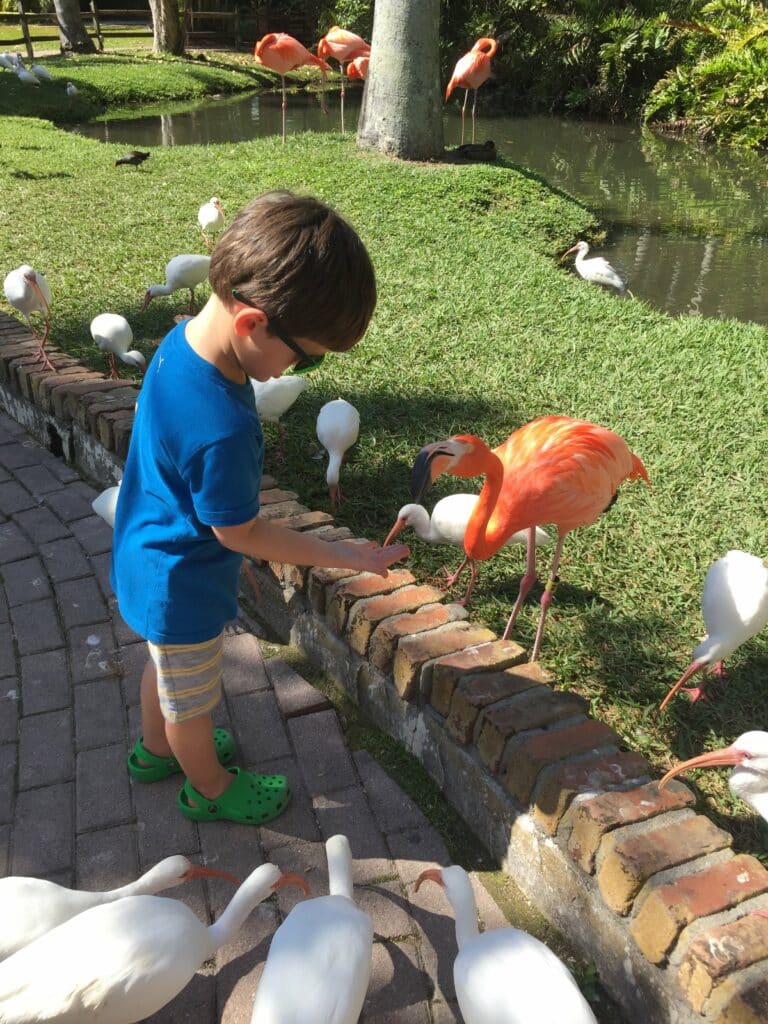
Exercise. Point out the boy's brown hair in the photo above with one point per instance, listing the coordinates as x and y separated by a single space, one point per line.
302 264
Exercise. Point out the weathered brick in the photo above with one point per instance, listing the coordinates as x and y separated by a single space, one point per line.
534 753
537 708
558 786
65 394
66 369
718 953
346 593
80 405
747 1005
282 510
320 582
105 426
387 635
629 860
121 431
594 817
304 520
414 654
672 907
70 375
490 657
270 495
367 614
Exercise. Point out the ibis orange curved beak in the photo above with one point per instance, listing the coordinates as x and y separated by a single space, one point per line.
430 875
725 756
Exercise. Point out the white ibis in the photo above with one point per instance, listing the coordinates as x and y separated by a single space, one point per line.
41 72
123 961
319 962
749 777
210 217
274 397
27 77
185 271
734 605
338 427
7 61
505 976
33 906
72 89
447 525
597 269
104 504
113 335
28 291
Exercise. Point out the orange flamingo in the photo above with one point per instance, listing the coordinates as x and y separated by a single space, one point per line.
470 72
553 470
358 68
282 53
343 46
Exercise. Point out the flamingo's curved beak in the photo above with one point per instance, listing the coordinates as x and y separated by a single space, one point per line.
430 875
725 756
432 460
199 871
290 878
399 525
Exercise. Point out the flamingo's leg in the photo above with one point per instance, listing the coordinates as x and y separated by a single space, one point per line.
285 104
341 65
546 597
463 111
529 578
474 107
473 580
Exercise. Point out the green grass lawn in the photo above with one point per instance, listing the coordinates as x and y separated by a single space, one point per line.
479 329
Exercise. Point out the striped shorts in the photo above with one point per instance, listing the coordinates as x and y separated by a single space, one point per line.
188 677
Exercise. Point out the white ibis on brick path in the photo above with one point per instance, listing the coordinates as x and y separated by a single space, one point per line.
28 291
210 217
185 271
338 427
597 269
122 962
319 963
505 976
33 906
749 777
274 397
113 335
447 525
734 605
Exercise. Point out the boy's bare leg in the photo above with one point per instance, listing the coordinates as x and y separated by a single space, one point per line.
193 747
152 721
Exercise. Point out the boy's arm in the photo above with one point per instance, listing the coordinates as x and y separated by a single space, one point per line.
260 538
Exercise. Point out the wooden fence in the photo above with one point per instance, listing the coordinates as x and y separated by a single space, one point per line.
197 25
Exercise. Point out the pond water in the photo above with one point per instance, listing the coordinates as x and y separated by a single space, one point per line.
687 225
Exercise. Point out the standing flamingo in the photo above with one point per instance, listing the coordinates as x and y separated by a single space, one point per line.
282 53
28 291
470 72
358 68
734 606
343 46
553 470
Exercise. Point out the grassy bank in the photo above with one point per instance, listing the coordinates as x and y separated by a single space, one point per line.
478 329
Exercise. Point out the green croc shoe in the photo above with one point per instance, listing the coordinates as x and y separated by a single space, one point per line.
251 799
156 768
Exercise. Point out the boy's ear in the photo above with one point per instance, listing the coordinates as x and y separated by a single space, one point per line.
247 319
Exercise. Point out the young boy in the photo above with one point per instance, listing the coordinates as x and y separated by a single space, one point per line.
290 280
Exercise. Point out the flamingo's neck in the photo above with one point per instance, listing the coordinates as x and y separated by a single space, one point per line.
478 542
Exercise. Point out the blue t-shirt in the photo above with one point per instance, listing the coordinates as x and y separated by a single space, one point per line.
194 462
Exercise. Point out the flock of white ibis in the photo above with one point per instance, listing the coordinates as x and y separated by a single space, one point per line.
33 75
117 957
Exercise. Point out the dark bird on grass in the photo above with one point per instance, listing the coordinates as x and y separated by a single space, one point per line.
135 158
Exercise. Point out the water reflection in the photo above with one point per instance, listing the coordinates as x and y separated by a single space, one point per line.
688 226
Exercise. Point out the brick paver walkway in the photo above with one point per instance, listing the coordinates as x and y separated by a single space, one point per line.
69 672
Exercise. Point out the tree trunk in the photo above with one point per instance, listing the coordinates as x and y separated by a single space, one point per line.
73 37
402 111
167 27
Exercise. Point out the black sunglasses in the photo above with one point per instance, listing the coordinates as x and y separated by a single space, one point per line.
305 362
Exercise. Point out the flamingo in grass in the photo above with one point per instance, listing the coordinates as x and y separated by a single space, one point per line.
282 53
734 606
470 72
344 47
553 470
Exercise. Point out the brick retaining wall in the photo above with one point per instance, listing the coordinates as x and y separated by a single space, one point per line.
641 884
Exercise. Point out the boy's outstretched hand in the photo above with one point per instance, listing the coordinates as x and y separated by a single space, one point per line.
369 557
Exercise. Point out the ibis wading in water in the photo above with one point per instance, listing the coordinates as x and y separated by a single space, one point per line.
748 779
328 940
28 291
344 47
185 271
282 53
505 976
121 962
33 906
338 427
734 606
447 525
113 335
597 269
553 470
470 72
